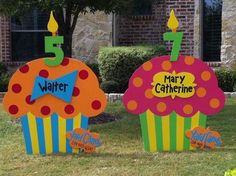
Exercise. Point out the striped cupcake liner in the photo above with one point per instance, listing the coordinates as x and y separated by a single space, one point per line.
48 135
167 133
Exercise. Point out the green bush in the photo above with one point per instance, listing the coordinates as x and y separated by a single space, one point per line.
118 63
110 87
4 80
3 69
226 79
94 68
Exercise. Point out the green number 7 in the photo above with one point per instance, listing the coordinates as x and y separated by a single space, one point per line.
50 41
176 37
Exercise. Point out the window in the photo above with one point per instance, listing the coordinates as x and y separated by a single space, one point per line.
28 34
142 7
212 13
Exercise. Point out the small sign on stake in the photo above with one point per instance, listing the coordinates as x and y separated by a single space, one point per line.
80 138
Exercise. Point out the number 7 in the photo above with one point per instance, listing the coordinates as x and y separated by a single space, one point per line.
176 37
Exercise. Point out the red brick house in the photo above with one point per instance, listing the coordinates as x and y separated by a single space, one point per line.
209 31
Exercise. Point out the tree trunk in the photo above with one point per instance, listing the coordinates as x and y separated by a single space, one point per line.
66 28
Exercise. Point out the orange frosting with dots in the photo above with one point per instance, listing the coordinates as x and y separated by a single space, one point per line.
208 98
87 97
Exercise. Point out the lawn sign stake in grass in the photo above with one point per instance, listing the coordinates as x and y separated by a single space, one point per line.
173 96
54 97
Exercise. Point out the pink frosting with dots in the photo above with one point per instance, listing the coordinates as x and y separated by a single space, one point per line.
211 102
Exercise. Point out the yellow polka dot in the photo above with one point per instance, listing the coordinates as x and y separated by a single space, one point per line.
189 60
188 109
201 92
166 65
161 107
149 94
214 103
206 75
147 66
132 105
137 82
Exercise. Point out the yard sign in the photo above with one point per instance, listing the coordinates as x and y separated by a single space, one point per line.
53 97
172 95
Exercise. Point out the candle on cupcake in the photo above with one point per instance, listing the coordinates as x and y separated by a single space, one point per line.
50 41
174 36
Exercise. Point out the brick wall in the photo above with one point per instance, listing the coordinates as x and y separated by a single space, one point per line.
5 39
184 10
143 29
149 29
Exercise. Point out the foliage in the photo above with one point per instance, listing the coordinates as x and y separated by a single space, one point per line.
4 77
230 172
94 67
3 68
118 63
4 80
110 87
226 79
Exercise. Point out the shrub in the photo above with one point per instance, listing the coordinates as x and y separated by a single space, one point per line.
226 79
3 69
4 80
94 68
118 63
110 87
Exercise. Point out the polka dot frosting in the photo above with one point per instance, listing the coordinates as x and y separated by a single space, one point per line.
76 91
87 98
16 88
208 97
96 105
147 66
45 110
65 62
132 105
83 74
13 109
138 82
69 109
43 73
24 69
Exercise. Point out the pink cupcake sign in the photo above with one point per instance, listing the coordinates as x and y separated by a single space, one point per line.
172 94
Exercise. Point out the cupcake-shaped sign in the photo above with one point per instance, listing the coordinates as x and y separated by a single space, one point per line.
172 94
54 97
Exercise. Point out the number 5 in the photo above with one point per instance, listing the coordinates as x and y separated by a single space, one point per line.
50 41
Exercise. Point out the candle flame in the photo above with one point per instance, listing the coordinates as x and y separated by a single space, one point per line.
173 22
52 24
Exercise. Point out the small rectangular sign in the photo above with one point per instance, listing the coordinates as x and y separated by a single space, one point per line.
80 138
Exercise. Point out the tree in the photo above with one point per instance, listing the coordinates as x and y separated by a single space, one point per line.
66 12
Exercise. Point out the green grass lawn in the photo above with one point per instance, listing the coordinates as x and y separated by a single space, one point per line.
122 151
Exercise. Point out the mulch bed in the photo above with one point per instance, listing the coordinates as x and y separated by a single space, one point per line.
104 118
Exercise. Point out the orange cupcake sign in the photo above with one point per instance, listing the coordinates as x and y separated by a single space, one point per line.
53 96
172 94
